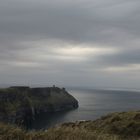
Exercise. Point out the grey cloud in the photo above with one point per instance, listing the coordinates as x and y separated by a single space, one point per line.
105 23
72 21
123 59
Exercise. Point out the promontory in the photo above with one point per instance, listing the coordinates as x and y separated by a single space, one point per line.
21 104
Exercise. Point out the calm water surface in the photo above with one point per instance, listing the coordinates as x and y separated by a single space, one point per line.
92 104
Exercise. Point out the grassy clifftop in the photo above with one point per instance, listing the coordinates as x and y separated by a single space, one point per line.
116 126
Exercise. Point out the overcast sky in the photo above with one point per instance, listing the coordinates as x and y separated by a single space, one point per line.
89 43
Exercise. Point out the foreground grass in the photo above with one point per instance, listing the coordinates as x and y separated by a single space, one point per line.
116 126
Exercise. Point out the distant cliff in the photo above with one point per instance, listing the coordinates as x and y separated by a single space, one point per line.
20 105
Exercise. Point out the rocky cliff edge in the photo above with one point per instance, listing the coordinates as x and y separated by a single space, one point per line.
20 104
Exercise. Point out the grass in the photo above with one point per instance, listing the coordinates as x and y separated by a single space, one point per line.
115 126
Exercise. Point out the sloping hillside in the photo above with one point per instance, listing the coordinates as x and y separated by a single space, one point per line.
116 126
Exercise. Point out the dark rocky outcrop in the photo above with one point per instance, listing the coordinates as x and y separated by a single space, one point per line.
20 105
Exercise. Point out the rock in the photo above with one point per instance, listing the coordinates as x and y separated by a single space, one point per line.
21 104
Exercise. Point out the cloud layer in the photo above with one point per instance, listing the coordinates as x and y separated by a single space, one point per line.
93 43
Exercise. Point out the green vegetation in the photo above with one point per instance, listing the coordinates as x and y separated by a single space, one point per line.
115 126
20 105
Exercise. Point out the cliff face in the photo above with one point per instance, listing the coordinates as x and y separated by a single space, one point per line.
21 104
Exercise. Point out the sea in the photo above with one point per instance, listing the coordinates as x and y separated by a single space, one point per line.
93 103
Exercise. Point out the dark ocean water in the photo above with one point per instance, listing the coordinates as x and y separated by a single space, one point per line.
92 104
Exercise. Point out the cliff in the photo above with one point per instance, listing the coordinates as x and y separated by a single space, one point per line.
115 126
20 104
